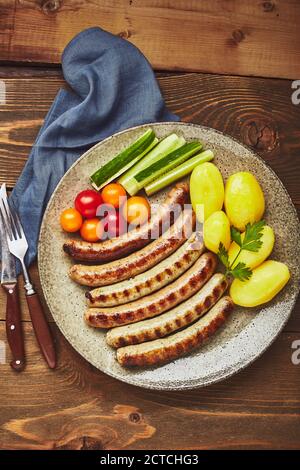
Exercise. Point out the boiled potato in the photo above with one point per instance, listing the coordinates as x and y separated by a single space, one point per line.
216 229
253 258
244 200
207 190
266 281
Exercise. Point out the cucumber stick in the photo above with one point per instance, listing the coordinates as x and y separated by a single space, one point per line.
163 148
178 172
124 160
168 162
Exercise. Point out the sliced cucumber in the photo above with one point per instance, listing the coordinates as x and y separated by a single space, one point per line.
163 148
178 172
124 160
168 162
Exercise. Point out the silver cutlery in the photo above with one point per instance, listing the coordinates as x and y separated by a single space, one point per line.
18 246
14 331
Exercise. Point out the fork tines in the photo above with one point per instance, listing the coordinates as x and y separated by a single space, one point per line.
11 220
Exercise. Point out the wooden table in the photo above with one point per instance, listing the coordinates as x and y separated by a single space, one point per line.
77 406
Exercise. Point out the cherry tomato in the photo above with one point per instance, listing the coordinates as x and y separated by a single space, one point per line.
113 223
92 230
71 220
113 194
136 210
87 203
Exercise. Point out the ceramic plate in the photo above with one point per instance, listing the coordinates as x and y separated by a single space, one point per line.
246 335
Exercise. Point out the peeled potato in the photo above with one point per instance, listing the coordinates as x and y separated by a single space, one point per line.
251 258
266 281
216 229
244 200
207 190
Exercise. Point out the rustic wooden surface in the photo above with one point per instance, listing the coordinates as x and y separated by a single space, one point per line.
238 37
77 406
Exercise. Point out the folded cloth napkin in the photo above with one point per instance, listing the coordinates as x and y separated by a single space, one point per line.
112 87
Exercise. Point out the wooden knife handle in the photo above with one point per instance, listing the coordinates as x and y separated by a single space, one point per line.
41 329
14 331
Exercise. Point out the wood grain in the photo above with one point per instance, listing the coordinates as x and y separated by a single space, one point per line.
79 407
228 37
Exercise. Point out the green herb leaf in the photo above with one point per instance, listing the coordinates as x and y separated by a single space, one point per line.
251 242
252 239
241 272
223 255
236 236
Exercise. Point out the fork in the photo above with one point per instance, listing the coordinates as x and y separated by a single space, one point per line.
18 246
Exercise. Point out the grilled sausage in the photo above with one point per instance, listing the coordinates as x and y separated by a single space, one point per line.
137 238
180 316
140 261
159 276
154 304
167 349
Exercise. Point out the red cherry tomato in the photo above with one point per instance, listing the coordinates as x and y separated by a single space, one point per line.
92 230
87 203
113 194
113 224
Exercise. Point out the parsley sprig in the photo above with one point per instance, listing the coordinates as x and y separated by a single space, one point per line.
251 242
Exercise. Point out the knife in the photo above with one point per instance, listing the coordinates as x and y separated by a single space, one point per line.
14 331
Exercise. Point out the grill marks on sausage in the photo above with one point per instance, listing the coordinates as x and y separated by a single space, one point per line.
171 297
170 348
188 317
179 317
136 263
136 239
106 297
159 302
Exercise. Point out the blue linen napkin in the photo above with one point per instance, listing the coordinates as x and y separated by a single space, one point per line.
113 87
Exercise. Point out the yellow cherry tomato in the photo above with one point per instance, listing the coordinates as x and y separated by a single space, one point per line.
136 210
266 281
113 194
216 230
252 259
207 190
71 220
91 230
244 200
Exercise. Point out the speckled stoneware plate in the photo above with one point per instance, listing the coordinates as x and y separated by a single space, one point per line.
248 332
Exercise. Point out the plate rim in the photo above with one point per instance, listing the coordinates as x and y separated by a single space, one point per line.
194 383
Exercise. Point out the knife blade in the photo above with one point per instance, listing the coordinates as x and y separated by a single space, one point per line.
14 331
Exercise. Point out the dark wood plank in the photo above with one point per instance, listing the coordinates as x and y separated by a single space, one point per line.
7 14
243 38
79 407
